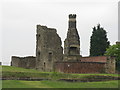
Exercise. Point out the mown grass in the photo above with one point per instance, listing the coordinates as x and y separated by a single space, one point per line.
58 84
17 69
11 71
17 72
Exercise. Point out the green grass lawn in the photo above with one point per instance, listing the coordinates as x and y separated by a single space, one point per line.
58 84
10 71
17 72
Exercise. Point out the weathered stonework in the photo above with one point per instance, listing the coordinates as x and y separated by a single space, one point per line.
110 65
48 48
72 42
24 62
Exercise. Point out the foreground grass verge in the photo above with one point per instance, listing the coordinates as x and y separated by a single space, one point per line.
17 72
58 84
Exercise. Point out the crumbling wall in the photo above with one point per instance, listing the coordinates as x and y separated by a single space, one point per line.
48 48
110 66
15 61
24 62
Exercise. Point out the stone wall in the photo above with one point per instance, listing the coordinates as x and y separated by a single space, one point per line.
110 66
24 62
110 62
80 67
72 58
94 59
48 48
15 61
98 64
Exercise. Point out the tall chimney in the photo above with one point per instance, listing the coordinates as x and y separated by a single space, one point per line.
72 21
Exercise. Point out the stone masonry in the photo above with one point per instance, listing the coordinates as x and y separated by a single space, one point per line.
72 42
24 62
99 64
48 48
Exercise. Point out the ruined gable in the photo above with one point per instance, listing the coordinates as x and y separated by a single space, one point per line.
48 48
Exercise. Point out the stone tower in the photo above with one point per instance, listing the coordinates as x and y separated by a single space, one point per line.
72 42
48 48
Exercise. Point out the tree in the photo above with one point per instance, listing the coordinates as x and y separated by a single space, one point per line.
98 41
114 50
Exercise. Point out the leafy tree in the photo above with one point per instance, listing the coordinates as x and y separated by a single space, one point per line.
98 41
114 50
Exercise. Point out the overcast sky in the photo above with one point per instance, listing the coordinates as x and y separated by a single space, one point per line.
20 17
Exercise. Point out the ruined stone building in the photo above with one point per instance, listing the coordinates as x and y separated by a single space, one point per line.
48 48
50 57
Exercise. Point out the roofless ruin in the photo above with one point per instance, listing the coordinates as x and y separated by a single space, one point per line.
49 53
